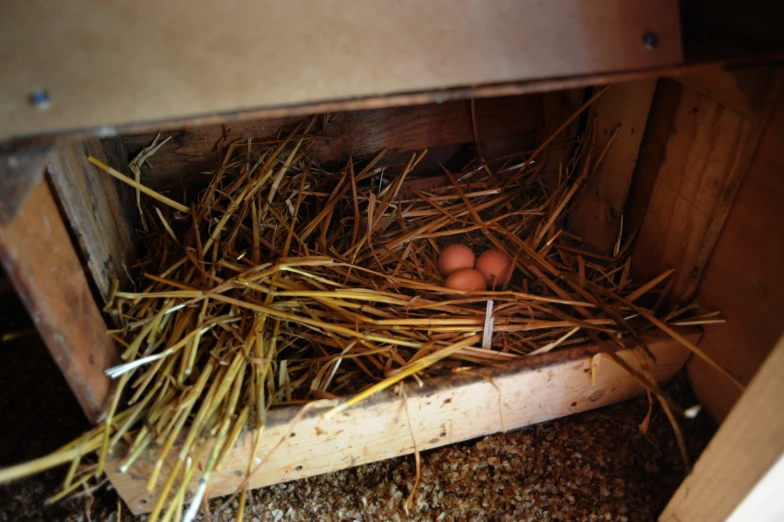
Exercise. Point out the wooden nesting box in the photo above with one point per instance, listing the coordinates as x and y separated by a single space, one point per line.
695 174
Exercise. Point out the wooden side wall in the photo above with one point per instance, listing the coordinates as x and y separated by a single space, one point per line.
745 276
714 215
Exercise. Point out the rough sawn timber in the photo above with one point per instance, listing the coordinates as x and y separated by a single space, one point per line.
446 410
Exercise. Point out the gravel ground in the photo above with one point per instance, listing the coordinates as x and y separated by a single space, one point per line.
591 466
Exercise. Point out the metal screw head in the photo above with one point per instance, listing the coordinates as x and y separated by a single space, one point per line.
650 40
39 99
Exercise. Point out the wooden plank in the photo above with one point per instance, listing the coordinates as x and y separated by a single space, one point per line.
596 214
40 261
193 150
707 156
661 118
444 411
744 449
95 207
556 108
183 58
743 278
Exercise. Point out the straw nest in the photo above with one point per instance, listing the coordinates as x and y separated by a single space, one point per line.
284 283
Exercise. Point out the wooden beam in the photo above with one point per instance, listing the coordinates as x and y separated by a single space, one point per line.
445 411
596 214
95 207
178 59
746 447
194 150
40 261
658 128
707 156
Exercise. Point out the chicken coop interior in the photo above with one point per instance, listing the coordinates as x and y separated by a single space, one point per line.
365 266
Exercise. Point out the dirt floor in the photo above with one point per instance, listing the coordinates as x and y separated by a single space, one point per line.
591 466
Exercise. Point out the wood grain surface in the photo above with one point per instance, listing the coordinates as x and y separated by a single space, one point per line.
744 277
445 411
40 261
106 64
596 214
196 149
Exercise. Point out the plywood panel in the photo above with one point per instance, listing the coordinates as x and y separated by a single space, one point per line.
744 277
105 64
445 411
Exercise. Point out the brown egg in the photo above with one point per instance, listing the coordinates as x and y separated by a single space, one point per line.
466 279
455 257
495 266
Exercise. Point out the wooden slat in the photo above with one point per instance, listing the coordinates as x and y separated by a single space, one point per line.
363 134
445 411
41 263
744 449
105 64
596 214
96 208
744 276
707 156
661 118
557 107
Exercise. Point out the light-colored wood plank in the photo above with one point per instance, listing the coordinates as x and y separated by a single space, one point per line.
596 214
193 150
707 156
744 449
744 278
40 261
445 411
105 64
95 210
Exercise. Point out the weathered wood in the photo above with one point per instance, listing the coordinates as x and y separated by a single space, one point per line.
744 277
194 150
556 108
661 118
215 57
445 411
596 214
97 210
707 156
744 449
40 261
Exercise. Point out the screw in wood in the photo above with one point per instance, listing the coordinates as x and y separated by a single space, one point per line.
39 99
650 40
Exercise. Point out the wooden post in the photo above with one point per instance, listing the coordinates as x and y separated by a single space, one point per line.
43 266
